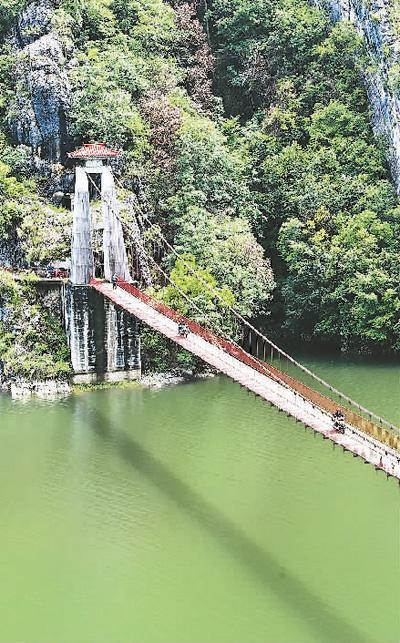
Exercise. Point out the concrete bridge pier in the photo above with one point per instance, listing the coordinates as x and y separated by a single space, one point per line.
104 340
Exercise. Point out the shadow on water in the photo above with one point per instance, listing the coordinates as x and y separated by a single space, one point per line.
329 627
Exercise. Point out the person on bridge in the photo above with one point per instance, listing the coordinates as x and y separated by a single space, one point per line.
114 281
183 329
338 421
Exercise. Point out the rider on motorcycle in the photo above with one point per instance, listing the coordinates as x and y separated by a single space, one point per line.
183 329
338 421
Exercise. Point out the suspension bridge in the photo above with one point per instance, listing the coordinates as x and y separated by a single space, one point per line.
373 443
263 369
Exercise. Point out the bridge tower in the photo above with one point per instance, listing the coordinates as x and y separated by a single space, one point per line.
104 340
92 159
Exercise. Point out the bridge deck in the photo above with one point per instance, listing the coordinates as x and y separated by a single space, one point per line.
259 383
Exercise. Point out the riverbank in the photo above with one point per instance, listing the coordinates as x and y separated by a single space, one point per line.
20 389
161 380
24 389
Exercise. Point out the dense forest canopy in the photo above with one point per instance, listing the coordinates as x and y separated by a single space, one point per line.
247 135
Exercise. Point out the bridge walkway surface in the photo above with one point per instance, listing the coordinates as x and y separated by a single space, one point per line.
257 377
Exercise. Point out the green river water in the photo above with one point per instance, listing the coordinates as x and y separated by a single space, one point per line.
194 514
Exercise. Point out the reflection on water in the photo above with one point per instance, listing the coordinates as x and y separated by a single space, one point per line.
196 513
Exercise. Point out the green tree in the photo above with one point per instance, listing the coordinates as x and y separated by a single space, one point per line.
342 285
197 296
228 249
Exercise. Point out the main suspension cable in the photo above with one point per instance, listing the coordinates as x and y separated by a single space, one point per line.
252 328
244 321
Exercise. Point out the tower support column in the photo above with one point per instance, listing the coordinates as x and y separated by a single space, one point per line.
82 264
115 256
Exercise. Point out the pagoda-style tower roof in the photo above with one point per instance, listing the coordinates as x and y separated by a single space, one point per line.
94 151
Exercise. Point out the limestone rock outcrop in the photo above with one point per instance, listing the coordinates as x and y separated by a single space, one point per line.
38 115
373 21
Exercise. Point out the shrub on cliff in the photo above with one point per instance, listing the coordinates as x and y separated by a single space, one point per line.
9 292
351 268
8 10
32 341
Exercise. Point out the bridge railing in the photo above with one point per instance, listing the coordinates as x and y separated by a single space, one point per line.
317 399
387 437
325 395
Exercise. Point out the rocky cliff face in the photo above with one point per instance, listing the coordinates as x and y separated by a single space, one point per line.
38 115
372 19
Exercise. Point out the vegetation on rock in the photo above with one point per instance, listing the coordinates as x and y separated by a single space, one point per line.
330 214
247 139
32 342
